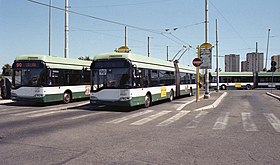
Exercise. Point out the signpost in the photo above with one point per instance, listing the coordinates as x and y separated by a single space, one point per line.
272 69
205 54
197 62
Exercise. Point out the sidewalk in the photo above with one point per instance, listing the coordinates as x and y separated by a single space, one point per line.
5 101
210 103
274 94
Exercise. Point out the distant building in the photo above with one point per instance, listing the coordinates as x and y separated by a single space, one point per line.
243 66
232 63
254 62
276 58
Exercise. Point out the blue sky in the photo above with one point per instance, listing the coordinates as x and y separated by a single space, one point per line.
242 23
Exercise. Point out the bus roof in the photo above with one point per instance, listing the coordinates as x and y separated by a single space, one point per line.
232 74
268 74
144 62
57 62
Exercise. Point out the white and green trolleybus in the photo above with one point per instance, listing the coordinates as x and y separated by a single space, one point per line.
122 78
246 80
233 80
40 78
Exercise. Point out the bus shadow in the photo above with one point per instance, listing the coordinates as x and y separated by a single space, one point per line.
106 108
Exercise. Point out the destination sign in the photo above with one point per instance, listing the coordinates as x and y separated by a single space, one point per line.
27 65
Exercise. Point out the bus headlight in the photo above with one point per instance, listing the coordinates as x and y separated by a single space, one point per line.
93 98
38 95
125 98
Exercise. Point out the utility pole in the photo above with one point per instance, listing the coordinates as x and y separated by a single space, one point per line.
267 50
50 15
167 51
125 36
217 56
206 95
256 58
66 30
148 46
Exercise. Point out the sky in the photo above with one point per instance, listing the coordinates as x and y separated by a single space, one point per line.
97 26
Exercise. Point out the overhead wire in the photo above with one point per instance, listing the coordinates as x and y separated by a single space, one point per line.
229 23
178 40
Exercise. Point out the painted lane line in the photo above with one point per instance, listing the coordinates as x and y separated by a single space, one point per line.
119 120
198 118
273 120
150 118
248 123
173 118
221 122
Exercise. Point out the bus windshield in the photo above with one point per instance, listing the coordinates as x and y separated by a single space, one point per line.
111 74
28 77
111 78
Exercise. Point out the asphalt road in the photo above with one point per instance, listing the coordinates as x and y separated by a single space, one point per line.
243 129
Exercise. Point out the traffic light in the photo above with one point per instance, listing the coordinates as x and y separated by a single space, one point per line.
273 66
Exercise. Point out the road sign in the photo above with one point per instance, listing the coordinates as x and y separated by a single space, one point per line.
197 62
205 51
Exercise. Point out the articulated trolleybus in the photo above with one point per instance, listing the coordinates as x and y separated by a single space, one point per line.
122 78
40 78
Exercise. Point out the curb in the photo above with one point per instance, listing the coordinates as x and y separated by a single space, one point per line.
214 105
273 95
5 101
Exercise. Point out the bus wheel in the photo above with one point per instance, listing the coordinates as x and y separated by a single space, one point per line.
66 97
223 87
171 98
148 101
248 87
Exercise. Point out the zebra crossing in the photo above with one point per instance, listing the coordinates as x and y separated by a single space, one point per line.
221 123
163 118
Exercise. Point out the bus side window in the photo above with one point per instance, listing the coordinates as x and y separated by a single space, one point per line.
154 78
146 78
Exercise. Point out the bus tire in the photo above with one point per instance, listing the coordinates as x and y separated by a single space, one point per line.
171 97
67 97
223 87
248 87
148 100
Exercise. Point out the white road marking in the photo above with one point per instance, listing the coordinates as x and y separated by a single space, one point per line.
248 123
198 118
116 121
173 118
83 116
150 118
47 113
222 121
186 103
37 111
273 120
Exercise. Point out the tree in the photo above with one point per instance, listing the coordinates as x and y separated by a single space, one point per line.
86 58
7 70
